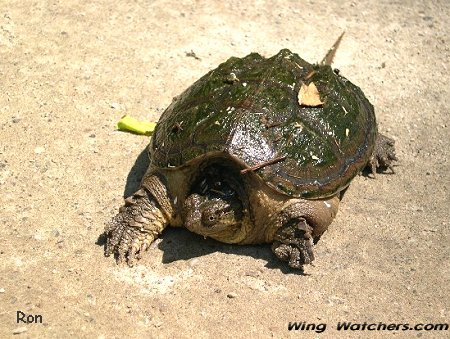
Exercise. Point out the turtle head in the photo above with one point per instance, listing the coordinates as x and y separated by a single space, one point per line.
218 214
212 216
216 207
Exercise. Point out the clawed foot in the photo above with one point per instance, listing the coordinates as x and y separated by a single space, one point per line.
294 244
383 154
125 242
128 234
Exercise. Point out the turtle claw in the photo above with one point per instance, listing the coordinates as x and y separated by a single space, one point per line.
114 232
383 155
296 256
294 244
130 246
133 229
134 252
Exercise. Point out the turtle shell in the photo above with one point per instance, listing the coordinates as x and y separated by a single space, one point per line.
248 109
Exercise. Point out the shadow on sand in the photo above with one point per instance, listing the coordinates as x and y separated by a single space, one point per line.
180 244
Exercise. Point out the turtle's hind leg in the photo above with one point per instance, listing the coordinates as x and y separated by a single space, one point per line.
383 154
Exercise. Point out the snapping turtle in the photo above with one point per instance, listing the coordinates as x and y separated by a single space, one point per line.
241 158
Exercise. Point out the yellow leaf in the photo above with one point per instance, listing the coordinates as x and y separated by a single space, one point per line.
129 124
309 95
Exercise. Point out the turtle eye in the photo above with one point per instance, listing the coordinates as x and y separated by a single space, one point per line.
209 218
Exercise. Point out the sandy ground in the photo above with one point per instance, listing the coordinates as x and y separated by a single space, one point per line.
70 69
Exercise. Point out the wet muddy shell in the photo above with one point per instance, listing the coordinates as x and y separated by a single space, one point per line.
248 109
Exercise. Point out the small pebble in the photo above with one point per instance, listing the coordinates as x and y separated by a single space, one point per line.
115 105
39 150
2 290
38 237
163 308
253 274
19 330
232 295
193 262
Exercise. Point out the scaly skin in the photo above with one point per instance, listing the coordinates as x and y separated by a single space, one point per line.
383 154
217 211
298 224
218 218
136 226
294 244
294 228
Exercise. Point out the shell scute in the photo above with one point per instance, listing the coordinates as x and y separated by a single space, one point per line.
254 116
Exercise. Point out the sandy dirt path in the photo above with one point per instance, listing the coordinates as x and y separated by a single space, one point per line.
70 69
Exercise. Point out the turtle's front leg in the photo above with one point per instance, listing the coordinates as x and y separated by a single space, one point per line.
300 224
138 223
294 243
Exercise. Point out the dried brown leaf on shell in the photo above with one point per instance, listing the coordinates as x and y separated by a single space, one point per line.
309 95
